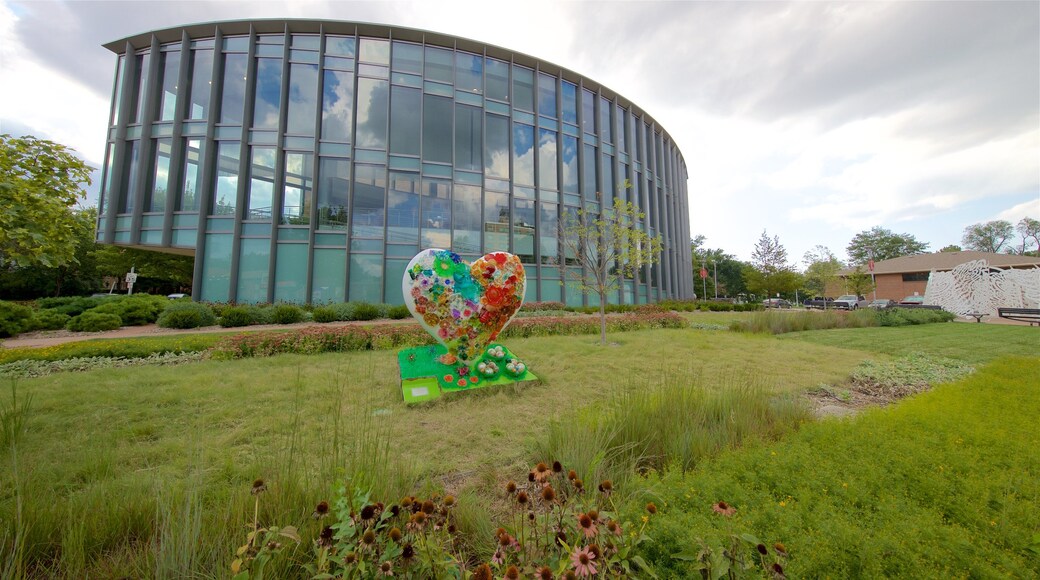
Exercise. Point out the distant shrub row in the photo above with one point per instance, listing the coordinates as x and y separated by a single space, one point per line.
81 314
784 322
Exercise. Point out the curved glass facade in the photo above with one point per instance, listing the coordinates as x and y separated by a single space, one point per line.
308 161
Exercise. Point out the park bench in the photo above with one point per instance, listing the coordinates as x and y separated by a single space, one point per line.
1030 315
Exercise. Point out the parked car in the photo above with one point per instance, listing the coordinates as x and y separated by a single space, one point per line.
912 301
178 295
776 303
850 302
881 303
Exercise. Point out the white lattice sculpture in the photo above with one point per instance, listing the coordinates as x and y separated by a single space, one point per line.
977 287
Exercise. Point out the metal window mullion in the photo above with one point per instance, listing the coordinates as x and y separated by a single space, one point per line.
245 158
207 160
315 167
147 148
278 187
173 182
115 192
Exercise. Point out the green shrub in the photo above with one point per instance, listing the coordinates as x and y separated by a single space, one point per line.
135 310
366 311
114 348
343 310
398 312
49 320
909 316
324 314
236 316
93 321
775 322
186 315
14 318
286 314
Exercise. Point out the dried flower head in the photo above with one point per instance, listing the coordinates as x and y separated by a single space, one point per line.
521 498
570 575
762 549
258 487
449 500
511 487
778 571
557 467
406 502
595 550
407 552
572 475
483 572
395 534
530 476
613 527
368 512
561 537
499 532
587 525
326 536
541 472
428 507
606 486
545 573
548 494
386 568
272 545
321 510
350 558
594 515
578 485
419 518
512 573
504 540
651 508
780 548
368 538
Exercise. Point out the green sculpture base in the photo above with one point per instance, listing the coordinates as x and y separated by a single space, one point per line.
424 377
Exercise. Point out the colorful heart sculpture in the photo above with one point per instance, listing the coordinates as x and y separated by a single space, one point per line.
464 306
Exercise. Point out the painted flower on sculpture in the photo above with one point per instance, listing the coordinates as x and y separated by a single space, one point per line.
583 562
494 296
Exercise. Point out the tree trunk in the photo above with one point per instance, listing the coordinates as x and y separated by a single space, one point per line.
603 318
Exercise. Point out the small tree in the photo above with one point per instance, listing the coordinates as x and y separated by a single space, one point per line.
990 236
859 282
1029 228
610 247
771 272
821 266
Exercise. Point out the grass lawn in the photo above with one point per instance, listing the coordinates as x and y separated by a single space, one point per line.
127 472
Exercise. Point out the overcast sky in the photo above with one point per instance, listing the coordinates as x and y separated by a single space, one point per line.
811 120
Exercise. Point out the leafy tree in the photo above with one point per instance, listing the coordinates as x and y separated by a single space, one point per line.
951 248
1029 228
770 272
991 236
859 282
610 248
821 266
40 182
78 276
158 269
723 267
882 244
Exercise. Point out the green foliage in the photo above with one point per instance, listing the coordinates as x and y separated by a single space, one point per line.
399 312
182 314
77 276
49 320
128 348
325 314
907 374
245 315
151 266
821 266
775 322
937 486
40 182
1029 229
73 305
134 310
909 316
93 321
992 236
882 244
286 314
14 318
365 311
30 368
859 282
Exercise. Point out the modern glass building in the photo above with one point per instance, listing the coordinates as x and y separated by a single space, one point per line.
308 161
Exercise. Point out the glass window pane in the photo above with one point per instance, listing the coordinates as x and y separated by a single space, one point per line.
467 137
496 221
118 92
369 201
394 277
570 164
548 231
366 278
329 278
128 192
303 99
497 80
547 159
336 106
606 128
622 123
588 111
333 187
261 184
298 189
607 180
171 68
106 185
374 50
140 77
570 103
225 193
200 79
233 97
589 173
253 268
523 230
437 125
467 216
216 268
189 200
290 278
438 64
340 45
523 154
496 149
436 214
160 175
408 57
372 109
469 72
268 93
546 95
307 41
405 111
523 88
402 217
